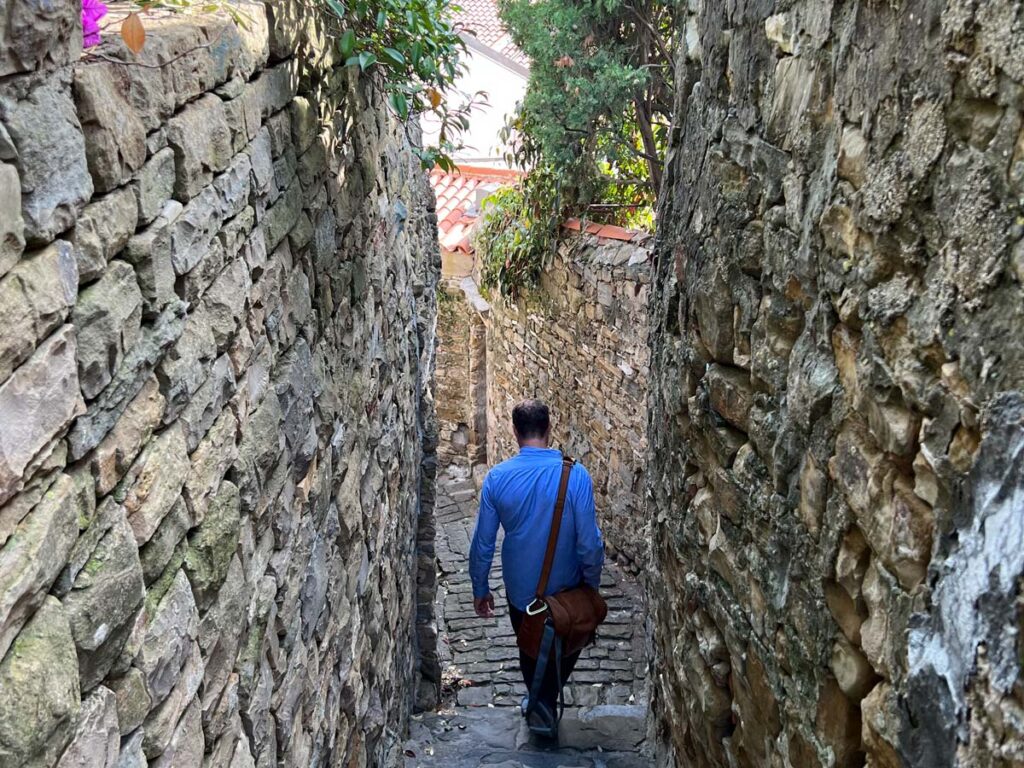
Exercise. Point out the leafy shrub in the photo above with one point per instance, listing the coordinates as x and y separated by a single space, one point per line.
517 233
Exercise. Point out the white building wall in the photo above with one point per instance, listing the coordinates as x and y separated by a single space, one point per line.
504 81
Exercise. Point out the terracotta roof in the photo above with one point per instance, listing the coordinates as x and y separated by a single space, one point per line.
457 197
459 193
480 18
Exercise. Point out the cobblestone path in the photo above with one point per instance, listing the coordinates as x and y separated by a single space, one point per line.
479 722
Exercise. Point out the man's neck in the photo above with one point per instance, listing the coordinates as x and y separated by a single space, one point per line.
533 443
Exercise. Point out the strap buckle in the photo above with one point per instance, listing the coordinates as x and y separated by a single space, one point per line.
532 610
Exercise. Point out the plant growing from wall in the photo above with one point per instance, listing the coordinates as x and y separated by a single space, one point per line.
517 233
418 53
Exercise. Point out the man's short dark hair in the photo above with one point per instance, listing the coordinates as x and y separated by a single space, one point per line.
531 418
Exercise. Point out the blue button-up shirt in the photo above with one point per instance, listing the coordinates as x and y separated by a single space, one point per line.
519 494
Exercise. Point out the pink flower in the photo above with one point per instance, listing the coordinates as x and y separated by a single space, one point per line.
92 12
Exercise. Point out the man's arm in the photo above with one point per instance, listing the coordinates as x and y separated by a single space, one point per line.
589 545
481 552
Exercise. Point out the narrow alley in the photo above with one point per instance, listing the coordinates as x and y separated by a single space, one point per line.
478 723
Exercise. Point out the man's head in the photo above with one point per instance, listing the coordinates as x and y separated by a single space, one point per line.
531 421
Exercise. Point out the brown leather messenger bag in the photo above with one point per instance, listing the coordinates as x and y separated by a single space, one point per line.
575 614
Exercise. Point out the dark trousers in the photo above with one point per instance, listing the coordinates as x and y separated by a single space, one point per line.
549 687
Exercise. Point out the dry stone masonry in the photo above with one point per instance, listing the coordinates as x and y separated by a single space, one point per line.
461 377
217 282
836 415
579 342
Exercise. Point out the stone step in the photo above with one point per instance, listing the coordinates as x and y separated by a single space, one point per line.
590 737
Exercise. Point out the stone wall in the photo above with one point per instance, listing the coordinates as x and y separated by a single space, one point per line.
579 342
217 277
460 380
836 418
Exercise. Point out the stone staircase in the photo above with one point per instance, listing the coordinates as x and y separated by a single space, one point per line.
605 736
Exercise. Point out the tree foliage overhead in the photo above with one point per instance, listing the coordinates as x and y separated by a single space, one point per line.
419 54
598 103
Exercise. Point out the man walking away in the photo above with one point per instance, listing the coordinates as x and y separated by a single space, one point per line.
519 494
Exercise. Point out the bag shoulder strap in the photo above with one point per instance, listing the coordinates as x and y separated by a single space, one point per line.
556 524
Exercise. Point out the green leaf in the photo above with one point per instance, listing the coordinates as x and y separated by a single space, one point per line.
366 60
337 7
347 43
400 104
394 56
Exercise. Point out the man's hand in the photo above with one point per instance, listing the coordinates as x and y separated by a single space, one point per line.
484 606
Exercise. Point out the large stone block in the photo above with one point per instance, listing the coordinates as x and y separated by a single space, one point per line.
39 678
186 745
262 159
55 181
731 394
114 455
163 545
37 402
167 643
184 368
131 751
212 544
108 317
277 87
12 226
281 217
33 557
133 701
150 253
159 727
103 601
216 452
94 520
225 300
208 401
194 283
35 298
243 116
135 369
896 523
194 231
115 138
154 185
38 35
103 231
260 447
97 741
201 141
154 482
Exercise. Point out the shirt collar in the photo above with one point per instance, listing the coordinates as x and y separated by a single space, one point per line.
531 449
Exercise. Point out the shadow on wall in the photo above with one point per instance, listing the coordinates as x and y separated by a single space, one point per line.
212 425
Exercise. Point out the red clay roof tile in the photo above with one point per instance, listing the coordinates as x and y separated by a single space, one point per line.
480 17
456 195
457 211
